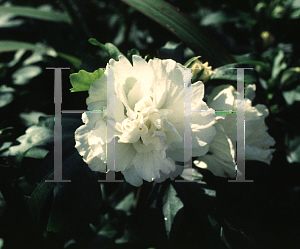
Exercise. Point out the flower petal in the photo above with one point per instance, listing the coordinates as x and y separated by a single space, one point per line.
152 95
98 89
132 177
254 117
159 93
150 165
220 161
144 73
222 98
172 175
124 155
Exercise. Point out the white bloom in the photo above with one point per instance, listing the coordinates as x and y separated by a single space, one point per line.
149 120
257 139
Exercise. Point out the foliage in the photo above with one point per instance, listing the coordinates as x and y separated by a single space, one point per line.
83 36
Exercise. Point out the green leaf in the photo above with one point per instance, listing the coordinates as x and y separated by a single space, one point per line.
292 141
82 80
190 61
72 59
37 202
10 46
295 14
132 52
36 135
53 16
185 29
23 75
257 63
110 48
172 50
279 64
126 203
108 231
228 73
172 204
147 57
292 96
76 203
5 129
3 70
290 78
38 198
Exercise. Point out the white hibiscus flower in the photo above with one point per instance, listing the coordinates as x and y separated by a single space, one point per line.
257 139
148 120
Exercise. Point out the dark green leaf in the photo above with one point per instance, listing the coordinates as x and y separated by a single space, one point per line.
127 203
172 50
82 80
171 205
4 134
147 57
228 72
10 46
110 48
37 199
186 30
72 59
132 52
279 64
295 14
244 19
3 70
23 75
292 96
39 196
292 141
76 203
108 231
53 16
290 78
257 63
190 61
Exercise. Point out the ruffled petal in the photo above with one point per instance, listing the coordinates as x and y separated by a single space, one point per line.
257 141
147 119
222 98
172 175
150 165
220 161
144 73
131 176
124 155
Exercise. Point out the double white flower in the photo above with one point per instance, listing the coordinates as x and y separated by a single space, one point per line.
148 120
221 159
149 125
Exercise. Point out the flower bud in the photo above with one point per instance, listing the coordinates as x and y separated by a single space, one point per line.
201 71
